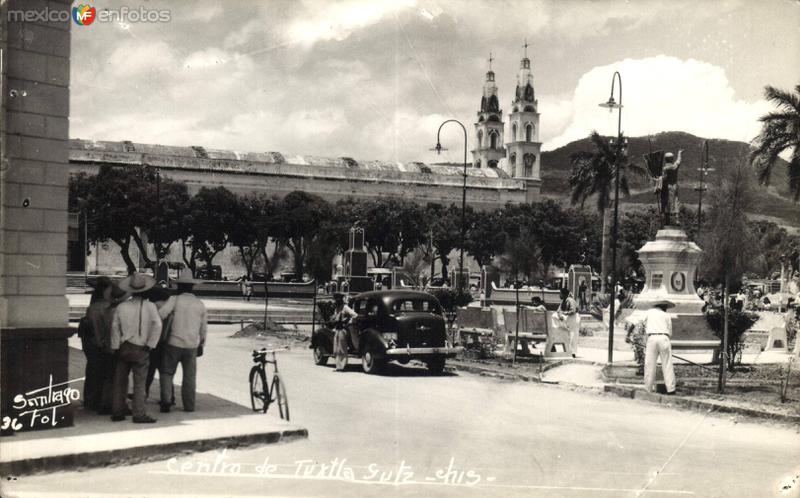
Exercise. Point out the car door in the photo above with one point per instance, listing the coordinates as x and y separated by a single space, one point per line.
368 318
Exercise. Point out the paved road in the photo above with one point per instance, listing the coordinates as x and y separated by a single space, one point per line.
456 435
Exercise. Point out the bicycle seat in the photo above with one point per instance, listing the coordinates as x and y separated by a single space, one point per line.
259 356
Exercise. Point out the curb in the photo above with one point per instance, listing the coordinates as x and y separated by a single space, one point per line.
696 404
630 393
140 454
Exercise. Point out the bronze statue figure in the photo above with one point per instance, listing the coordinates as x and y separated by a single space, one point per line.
663 169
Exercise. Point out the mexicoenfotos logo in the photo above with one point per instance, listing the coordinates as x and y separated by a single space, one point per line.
83 15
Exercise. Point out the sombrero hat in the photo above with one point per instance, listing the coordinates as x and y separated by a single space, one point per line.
137 283
665 303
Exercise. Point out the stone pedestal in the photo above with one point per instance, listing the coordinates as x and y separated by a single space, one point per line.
670 264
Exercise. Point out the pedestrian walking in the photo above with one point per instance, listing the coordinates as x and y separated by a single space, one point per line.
342 314
248 290
135 330
568 315
658 329
185 344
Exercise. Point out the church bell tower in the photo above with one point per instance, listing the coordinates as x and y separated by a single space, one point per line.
489 128
524 150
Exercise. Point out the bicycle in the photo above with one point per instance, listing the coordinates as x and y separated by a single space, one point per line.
263 394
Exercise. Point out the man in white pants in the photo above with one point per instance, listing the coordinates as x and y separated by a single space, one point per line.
658 328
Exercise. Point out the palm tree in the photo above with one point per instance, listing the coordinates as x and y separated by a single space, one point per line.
593 174
780 132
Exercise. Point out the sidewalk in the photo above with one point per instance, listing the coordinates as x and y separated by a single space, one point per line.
586 372
96 441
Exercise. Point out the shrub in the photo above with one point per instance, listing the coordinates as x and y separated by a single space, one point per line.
738 323
636 337
450 299
325 310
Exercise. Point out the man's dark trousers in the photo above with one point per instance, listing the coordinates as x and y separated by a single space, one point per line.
136 358
187 357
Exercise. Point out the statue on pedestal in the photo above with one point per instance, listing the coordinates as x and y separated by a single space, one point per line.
663 169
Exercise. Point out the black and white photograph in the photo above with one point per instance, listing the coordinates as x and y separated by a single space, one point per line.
400 248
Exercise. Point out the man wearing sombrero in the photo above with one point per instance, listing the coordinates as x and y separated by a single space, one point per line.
658 329
135 331
184 344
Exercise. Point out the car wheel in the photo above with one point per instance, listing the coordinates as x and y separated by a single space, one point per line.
371 362
320 358
436 365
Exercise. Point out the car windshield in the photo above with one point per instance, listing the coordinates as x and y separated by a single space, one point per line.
415 306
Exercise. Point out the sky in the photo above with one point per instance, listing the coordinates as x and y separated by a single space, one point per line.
374 79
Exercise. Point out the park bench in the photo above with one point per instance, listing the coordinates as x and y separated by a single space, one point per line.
534 328
475 325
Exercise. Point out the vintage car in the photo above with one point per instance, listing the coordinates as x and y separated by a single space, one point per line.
391 325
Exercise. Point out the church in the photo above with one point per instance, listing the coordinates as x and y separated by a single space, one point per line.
521 157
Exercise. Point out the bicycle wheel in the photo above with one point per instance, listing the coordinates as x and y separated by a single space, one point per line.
259 397
279 392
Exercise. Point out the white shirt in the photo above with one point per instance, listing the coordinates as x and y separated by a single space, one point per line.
657 321
189 323
127 319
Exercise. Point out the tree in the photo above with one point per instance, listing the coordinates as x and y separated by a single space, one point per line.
484 240
252 228
114 206
212 213
122 204
167 220
593 173
775 245
299 220
392 226
729 246
523 256
780 132
445 226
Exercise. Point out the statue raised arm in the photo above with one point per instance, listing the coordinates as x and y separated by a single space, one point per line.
663 169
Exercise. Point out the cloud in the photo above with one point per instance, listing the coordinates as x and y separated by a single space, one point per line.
134 57
325 21
659 94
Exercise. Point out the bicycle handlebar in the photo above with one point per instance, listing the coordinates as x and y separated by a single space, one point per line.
269 351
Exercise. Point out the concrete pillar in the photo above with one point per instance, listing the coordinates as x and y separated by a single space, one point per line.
34 130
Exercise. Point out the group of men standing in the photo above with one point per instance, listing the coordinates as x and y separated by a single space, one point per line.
135 326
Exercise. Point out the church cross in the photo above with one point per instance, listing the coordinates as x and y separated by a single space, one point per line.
490 61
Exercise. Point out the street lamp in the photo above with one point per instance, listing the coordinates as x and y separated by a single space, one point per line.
438 150
701 187
611 105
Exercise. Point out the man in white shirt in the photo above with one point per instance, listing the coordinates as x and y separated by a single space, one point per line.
658 329
135 330
568 315
185 343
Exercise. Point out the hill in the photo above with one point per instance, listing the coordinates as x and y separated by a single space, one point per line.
773 203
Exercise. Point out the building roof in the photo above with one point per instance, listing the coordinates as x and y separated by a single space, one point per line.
126 152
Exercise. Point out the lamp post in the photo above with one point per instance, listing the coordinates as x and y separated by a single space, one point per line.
438 150
701 187
611 105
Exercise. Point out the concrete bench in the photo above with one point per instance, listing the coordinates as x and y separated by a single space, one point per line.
535 328
475 325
